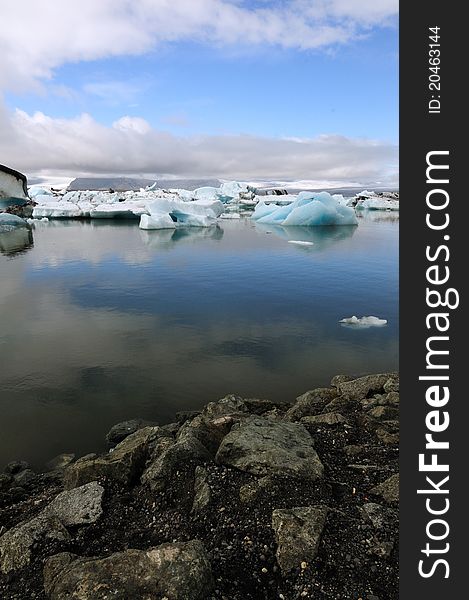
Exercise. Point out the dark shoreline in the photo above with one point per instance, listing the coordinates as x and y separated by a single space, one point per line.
228 476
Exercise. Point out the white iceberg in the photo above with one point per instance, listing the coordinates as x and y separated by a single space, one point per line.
121 210
57 210
39 191
205 193
198 213
377 204
301 243
157 221
308 210
364 322
375 201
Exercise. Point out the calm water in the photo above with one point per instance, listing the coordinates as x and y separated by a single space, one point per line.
102 322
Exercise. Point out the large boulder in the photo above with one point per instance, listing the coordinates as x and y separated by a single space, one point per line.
363 387
264 447
80 506
170 457
298 533
176 571
310 403
120 431
122 465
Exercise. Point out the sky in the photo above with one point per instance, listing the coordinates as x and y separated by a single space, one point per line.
279 90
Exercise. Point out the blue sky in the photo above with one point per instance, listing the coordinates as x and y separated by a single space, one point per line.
275 73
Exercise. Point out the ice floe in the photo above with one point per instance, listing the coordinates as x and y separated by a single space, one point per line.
309 209
363 322
375 201
9 222
198 213
301 243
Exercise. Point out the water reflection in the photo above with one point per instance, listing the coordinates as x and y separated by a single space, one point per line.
320 237
107 327
16 241
166 238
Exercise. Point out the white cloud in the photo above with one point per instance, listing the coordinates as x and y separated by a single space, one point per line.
37 36
39 144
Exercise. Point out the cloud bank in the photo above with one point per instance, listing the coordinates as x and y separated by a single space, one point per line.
38 143
38 36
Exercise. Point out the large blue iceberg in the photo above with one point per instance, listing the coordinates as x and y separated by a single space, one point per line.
310 209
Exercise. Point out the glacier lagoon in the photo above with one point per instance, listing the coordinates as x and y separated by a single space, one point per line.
103 321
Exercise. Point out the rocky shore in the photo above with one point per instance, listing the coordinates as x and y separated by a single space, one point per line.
246 499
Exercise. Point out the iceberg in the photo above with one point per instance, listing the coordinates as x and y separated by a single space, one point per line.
205 193
157 221
364 322
377 204
9 222
310 209
122 210
375 201
198 213
57 210
13 184
39 191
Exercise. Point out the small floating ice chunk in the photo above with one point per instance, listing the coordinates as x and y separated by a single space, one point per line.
301 243
364 322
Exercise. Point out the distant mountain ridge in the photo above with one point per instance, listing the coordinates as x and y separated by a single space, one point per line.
123 184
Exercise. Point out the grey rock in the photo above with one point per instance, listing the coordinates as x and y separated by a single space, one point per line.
60 462
389 434
5 481
388 490
392 399
123 465
177 571
25 478
338 379
360 388
80 506
392 385
384 413
16 543
209 432
310 403
186 415
184 453
16 466
229 405
298 533
325 419
119 432
263 447
339 404
202 491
